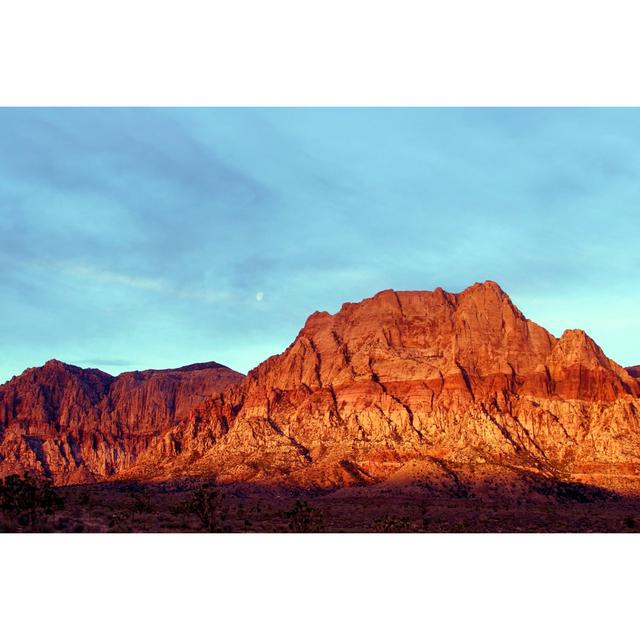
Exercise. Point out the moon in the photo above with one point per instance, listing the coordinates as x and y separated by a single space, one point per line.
259 296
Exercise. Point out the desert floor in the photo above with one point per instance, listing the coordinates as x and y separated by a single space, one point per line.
186 507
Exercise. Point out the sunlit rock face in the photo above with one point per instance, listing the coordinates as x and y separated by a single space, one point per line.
77 425
403 385
415 377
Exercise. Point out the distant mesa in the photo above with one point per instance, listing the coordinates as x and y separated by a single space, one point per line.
634 371
413 384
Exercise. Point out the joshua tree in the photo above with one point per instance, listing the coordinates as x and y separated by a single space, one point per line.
27 498
208 505
303 518
141 500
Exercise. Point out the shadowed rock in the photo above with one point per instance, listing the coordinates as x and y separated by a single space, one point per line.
77 425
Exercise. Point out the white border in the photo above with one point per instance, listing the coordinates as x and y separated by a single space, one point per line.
334 52
139 52
319 586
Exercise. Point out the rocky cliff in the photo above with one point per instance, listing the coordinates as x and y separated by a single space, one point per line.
78 425
408 383
403 386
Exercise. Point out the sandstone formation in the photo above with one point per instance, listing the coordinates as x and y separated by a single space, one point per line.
78 425
409 386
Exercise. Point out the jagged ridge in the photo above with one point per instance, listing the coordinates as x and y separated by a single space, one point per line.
405 376
400 381
77 425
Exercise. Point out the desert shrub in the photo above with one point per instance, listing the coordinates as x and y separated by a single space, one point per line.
303 518
141 500
119 522
630 522
208 505
391 524
425 516
84 499
28 500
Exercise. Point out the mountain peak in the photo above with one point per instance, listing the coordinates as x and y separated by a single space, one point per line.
55 364
489 285
197 366
393 301
576 346
54 369
489 292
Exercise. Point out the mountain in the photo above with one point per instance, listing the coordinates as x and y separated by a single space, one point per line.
80 425
634 371
416 384
406 386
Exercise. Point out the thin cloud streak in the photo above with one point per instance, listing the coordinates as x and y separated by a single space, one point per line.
96 274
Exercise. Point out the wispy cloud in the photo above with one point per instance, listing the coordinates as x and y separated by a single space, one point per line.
97 274
89 272
106 362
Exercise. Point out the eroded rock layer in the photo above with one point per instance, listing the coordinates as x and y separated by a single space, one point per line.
82 425
433 378
401 386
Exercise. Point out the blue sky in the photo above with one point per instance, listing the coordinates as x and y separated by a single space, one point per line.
149 238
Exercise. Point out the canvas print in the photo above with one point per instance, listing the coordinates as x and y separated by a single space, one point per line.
319 320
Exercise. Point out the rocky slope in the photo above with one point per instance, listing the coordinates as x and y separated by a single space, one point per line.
408 385
403 387
78 425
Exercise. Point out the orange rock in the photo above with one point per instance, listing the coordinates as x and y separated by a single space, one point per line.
410 375
77 425
401 378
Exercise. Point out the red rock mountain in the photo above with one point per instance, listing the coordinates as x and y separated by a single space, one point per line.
403 385
80 425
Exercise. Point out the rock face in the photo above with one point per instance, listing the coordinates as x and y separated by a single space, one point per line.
634 371
78 425
416 380
401 385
